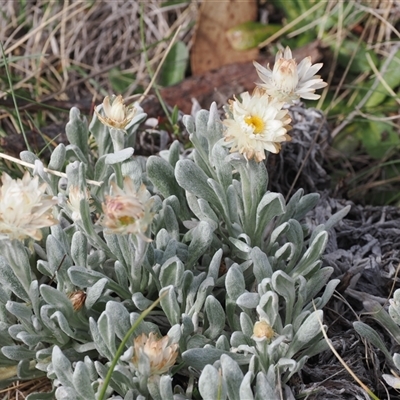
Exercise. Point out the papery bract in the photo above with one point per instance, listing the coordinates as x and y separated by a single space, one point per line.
127 210
289 81
160 355
117 115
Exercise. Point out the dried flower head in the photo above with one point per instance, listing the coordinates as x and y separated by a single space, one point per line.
155 351
262 330
288 81
128 210
24 208
257 124
117 115
75 195
78 299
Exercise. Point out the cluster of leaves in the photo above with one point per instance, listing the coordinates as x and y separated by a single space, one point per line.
224 256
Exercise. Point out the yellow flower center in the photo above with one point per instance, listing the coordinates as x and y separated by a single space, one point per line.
126 220
255 122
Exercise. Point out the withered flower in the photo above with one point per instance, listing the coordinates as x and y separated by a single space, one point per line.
127 210
150 348
262 330
78 299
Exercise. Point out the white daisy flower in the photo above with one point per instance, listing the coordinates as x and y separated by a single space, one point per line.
288 81
257 124
24 207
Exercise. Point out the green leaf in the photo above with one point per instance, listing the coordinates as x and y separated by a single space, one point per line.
119 156
382 316
161 175
328 292
348 49
254 179
222 167
66 393
269 303
313 254
119 317
62 323
84 278
18 352
317 281
291 207
261 265
369 333
264 390
199 357
62 367
98 340
171 272
192 178
106 329
160 387
42 396
175 64
215 316
248 300
378 137
120 80
202 236
234 282
174 153
170 305
58 299
250 34
82 382
391 78
16 253
306 203
246 324
204 290
77 131
215 264
79 250
284 286
57 158
20 311
211 384
169 3
94 292
10 281
271 205
310 328
245 391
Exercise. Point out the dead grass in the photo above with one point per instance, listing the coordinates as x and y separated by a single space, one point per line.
66 50
20 390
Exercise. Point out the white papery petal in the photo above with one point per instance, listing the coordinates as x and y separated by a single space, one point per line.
289 81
